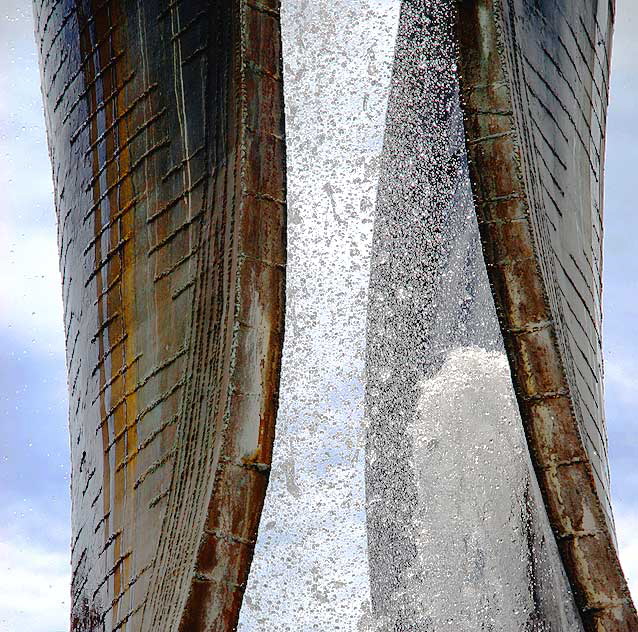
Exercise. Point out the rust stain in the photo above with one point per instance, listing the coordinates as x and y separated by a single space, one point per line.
559 456
112 191
169 169
226 551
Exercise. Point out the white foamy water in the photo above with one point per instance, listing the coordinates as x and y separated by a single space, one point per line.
310 570
486 556
424 515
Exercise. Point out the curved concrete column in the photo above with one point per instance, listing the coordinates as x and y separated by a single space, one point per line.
165 124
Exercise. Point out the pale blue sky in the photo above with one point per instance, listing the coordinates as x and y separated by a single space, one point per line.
621 285
34 505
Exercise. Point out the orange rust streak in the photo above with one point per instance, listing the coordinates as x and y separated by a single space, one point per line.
89 77
119 270
123 301
563 468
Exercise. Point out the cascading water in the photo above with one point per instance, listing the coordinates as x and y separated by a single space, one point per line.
458 536
401 497
310 570
486 558
428 291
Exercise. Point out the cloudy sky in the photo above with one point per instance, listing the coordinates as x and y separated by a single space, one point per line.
621 285
34 506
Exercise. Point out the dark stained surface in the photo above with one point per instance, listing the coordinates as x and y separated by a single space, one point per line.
422 284
457 530
166 134
165 122
534 86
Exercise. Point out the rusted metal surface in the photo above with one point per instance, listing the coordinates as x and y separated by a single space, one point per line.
453 506
165 124
534 92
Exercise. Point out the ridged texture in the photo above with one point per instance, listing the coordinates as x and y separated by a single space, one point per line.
165 123
534 85
428 294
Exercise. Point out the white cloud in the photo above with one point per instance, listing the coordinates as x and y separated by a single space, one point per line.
621 378
30 291
625 53
34 588
627 531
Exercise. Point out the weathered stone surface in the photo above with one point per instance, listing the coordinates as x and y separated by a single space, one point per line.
165 124
534 85
458 534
